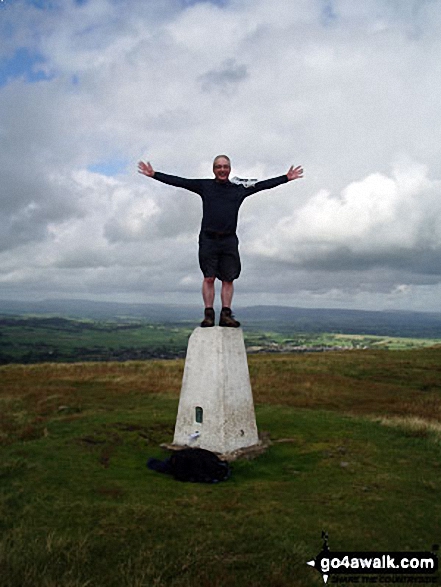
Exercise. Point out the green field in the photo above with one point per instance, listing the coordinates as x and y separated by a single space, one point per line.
35 339
356 451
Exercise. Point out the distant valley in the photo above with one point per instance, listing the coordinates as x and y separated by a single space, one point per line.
81 330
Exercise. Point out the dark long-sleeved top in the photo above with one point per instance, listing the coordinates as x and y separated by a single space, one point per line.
220 201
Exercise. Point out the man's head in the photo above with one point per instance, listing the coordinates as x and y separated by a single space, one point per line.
221 168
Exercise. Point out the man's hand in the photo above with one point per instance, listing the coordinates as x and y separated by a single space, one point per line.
146 169
294 173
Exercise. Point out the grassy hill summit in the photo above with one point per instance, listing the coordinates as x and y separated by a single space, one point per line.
355 451
354 447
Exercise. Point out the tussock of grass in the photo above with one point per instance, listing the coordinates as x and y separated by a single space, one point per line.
415 426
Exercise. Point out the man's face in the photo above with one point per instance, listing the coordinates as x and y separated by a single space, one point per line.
221 169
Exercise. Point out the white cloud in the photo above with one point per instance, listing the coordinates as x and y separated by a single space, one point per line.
376 222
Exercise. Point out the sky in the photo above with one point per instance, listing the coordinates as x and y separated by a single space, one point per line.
350 90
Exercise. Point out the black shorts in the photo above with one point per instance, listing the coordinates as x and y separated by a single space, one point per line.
219 256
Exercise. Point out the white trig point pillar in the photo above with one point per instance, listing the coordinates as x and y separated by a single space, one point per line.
216 409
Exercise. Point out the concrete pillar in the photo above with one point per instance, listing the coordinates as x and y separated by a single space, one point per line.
216 409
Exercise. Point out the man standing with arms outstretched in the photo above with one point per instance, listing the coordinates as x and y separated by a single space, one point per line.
218 242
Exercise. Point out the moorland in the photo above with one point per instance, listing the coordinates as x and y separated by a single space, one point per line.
354 449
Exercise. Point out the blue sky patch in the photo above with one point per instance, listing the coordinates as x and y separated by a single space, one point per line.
328 13
220 3
110 167
43 4
23 64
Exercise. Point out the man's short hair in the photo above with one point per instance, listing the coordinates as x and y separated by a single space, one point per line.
221 157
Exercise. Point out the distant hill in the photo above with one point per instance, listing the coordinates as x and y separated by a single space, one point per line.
280 318
381 323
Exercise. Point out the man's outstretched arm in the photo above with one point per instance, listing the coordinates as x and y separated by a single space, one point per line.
193 185
267 184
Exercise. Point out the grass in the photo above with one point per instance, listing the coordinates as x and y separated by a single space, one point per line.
355 450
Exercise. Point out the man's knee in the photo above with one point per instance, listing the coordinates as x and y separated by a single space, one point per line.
209 279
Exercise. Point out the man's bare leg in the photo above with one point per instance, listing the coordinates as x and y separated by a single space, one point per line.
208 296
208 291
227 294
226 317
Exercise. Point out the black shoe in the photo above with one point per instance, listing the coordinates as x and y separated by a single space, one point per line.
208 318
227 319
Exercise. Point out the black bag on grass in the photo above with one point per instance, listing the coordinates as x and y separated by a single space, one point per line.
196 465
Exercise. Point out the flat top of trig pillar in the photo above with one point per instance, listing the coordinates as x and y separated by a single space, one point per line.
218 332
218 328
220 337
